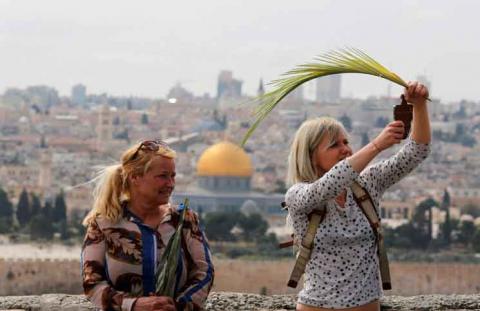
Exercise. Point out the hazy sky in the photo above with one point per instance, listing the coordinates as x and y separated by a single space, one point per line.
144 47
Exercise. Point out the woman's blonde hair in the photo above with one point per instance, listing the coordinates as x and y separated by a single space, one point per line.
307 138
112 182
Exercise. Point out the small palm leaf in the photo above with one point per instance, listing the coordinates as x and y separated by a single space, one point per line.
166 272
348 60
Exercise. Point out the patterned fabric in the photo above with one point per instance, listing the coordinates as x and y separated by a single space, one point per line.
119 261
343 270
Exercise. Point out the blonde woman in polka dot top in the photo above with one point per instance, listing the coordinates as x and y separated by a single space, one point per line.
343 271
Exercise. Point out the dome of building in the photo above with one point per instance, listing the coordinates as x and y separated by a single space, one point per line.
224 159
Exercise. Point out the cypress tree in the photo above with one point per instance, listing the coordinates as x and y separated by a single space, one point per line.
6 208
36 205
144 119
423 224
41 228
47 211
447 227
23 208
60 208
6 212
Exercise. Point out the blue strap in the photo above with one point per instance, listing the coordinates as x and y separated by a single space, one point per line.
208 277
148 252
148 259
81 264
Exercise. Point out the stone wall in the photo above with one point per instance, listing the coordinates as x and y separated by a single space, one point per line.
43 276
39 276
225 301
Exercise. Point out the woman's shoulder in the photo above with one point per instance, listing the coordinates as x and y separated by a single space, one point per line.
103 222
295 189
191 220
297 186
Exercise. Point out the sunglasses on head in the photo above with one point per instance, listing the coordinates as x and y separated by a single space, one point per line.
150 145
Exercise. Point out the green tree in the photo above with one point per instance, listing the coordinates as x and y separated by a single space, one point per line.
41 228
23 208
280 186
253 226
218 225
446 229
476 241
36 206
76 228
47 210
405 236
60 208
144 118
460 130
471 209
64 230
423 223
467 231
6 208
6 212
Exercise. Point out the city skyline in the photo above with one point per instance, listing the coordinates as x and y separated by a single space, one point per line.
144 49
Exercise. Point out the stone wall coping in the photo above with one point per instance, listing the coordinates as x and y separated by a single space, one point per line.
225 301
37 260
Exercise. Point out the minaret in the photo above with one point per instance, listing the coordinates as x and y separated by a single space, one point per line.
104 127
45 171
261 89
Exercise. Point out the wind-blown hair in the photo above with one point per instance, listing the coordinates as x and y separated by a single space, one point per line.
300 160
112 182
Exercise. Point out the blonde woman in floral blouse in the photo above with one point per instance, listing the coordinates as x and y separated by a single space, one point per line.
127 232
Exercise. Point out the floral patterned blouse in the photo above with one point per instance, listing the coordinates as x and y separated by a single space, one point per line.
119 261
343 270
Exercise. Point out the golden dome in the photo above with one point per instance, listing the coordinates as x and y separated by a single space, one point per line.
224 159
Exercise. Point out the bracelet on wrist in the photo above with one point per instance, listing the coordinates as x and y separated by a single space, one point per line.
376 147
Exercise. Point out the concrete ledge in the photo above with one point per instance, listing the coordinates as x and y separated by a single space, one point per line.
225 301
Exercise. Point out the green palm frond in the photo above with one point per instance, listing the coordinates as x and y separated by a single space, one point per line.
348 60
166 272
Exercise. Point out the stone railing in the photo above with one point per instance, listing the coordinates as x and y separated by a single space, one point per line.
224 301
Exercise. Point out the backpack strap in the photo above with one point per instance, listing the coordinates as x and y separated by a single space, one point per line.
365 202
305 248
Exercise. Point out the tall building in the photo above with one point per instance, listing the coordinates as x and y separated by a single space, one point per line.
261 88
79 94
104 127
227 86
328 88
45 170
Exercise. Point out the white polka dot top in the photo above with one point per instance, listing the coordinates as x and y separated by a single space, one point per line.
343 270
